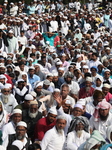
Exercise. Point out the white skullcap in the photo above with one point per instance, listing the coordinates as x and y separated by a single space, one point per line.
34 102
28 97
78 56
78 106
59 63
106 85
106 70
2 76
17 111
83 61
89 79
61 68
63 54
6 86
55 74
67 102
53 111
2 65
33 93
100 77
10 31
20 80
61 117
49 74
31 68
39 84
85 67
56 90
81 101
18 143
30 59
22 123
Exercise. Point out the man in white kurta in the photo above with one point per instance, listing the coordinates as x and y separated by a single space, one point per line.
54 139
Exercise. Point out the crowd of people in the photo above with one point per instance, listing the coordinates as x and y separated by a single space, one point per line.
55 75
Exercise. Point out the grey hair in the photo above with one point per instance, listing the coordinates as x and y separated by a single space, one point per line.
61 117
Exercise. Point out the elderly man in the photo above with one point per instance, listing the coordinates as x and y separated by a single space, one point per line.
55 138
78 132
9 129
20 135
101 118
105 89
45 124
8 99
31 116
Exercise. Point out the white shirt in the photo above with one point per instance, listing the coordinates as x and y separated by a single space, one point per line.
93 63
54 25
74 87
101 126
9 128
53 140
73 142
90 108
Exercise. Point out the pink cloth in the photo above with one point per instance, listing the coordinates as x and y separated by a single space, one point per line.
108 97
101 105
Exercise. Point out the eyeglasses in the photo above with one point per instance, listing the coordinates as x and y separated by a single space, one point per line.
6 91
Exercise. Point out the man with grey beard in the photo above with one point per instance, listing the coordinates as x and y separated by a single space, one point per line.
78 133
54 138
8 99
20 138
31 116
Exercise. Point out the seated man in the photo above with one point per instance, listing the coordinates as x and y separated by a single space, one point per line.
78 132
44 124
31 116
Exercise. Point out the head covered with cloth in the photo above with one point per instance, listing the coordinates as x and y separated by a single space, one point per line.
76 121
103 105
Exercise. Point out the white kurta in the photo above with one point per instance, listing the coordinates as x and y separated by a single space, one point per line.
101 126
73 142
7 129
53 140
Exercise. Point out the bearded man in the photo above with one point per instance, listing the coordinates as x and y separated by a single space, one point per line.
8 99
31 116
78 132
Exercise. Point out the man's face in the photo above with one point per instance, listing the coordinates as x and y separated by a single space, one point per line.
6 91
31 72
68 80
60 72
88 84
98 99
20 132
107 74
55 78
77 112
60 124
2 70
105 90
94 57
38 89
2 80
51 117
33 108
103 114
64 91
79 126
16 118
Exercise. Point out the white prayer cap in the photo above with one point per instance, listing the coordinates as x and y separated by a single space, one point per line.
2 65
67 102
17 111
83 61
18 143
17 69
2 76
33 93
59 63
100 78
6 86
47 42
106 85
39 84
46 82
34 102
55 74
53 110
89 79
28 97
31 68
78 56
61 117
61 68
85 67
10 31
81 101
63 54
11 3
49 75
56 90
20 80
106 70
78 106
22 123
107 48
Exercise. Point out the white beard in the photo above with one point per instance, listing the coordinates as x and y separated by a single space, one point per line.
5 98
32 115
60 131
79 133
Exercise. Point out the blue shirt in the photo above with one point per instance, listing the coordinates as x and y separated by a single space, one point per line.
34 79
